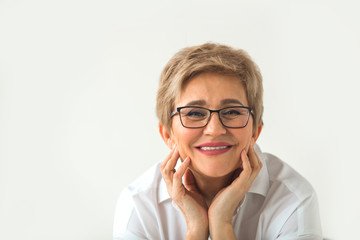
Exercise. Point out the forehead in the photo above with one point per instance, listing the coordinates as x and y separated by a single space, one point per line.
213 90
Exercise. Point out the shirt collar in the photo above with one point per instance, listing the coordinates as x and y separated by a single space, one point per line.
163 195
259 186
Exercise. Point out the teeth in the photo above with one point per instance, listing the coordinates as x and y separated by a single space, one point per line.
213 148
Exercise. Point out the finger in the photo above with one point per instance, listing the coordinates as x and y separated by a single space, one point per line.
247 169
255 160
166 170
168 157
170 165
253 157
257 156
177 179
242 181
256 163
189 181
180 172
247 176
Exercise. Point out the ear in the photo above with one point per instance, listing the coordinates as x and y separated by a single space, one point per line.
166 136
257 132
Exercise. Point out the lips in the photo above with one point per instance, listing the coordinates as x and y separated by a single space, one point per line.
213 148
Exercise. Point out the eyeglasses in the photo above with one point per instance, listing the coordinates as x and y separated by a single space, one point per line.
198 117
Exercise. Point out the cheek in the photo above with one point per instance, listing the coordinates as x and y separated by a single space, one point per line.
185 140
244 139
184 150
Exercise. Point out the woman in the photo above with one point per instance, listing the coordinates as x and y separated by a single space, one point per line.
215 183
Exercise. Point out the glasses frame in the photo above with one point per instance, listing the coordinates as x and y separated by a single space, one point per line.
177 111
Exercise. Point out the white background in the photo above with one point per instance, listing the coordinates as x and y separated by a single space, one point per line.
78 82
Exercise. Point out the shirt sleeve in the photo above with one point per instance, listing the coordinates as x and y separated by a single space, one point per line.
303 223
127 223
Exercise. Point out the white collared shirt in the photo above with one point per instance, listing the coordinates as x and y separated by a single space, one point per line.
280 205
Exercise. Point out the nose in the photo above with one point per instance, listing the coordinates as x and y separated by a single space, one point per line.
214 126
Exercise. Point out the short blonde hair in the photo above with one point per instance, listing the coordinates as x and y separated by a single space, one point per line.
209 57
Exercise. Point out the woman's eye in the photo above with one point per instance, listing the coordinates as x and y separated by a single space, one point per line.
232 113
195 114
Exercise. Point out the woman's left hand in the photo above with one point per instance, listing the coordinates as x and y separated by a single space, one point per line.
223 206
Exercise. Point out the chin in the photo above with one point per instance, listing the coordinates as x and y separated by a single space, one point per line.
216 170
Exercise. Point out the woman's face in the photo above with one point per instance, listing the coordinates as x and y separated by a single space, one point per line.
212 91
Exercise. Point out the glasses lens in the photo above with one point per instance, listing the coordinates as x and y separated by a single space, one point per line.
235 117
194 117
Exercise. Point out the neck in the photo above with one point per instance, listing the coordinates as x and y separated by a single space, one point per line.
210 186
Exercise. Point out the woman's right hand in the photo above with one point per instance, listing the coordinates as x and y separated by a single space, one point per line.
186 195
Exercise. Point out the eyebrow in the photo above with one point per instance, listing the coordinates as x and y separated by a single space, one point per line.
196 102
231 100
223 102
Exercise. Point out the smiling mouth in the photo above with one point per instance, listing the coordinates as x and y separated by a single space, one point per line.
213 148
